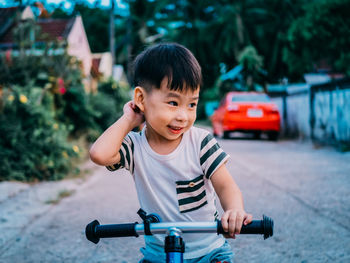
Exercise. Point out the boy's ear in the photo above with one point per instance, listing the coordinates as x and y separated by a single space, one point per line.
139 97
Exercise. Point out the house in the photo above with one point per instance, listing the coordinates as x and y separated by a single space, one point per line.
102 64
101 68
10 14
72 30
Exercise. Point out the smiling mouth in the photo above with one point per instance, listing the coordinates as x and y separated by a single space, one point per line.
175 129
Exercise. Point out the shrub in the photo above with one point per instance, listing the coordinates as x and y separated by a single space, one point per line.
33 145
104 108
59 75
73 108
108 103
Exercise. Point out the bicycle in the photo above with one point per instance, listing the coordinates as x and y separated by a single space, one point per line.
174 246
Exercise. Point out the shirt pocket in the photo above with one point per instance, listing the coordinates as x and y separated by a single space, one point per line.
191 194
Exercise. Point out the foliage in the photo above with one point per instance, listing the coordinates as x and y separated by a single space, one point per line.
33 145
108 103
75 110
58 74
250 59
43 106
215 31
322 34
42 103
266 23
252 64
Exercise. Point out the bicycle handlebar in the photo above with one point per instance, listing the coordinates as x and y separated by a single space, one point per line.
94 231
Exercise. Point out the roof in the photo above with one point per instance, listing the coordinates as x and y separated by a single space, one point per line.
7 16
50 29
55 28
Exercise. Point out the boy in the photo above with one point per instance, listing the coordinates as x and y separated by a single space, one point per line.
177 168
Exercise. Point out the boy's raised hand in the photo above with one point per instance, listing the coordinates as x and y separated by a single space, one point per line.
232 221
133 114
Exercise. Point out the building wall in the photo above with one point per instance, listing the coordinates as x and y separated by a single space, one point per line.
27 13
78 45
106 66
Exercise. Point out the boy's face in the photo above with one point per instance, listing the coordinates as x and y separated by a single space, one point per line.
170 113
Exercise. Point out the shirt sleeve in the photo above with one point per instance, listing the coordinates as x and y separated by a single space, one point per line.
212 156
126 156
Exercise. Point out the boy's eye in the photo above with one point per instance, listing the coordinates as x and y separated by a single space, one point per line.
173 103
192 105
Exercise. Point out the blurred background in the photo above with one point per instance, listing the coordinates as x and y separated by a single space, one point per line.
277 70
65 69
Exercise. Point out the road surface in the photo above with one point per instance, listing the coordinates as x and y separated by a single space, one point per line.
306 191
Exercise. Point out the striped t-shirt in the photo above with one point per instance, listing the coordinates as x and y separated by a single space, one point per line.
176 186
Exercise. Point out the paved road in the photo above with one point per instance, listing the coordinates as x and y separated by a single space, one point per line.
305 190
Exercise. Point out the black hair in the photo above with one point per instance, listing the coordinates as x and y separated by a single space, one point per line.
170 60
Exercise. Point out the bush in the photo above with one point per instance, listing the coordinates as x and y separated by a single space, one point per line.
59 75
42 106
42 103
108 103
33 145
73 108
104 107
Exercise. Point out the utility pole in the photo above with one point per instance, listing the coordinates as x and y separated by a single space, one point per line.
129 48
111 32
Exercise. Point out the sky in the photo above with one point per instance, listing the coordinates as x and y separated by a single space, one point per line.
120 6
67 5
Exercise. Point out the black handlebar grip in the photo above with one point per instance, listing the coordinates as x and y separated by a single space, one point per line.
264 227
94 231
90 232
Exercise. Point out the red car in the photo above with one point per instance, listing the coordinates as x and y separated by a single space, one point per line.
246 112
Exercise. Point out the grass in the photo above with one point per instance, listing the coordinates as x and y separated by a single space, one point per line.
62 194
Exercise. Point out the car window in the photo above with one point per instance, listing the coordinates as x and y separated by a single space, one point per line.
250 98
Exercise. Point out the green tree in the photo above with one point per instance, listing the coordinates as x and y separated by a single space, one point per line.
322 34
266 23
252 65
215 31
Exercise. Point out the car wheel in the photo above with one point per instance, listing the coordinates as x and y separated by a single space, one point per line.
273 136
257 135
226 135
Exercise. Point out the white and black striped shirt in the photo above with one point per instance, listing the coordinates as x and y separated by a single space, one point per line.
176 186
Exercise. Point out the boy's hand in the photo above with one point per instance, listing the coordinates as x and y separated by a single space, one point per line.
133 114
232 221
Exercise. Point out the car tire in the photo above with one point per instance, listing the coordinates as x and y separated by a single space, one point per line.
226 135
257 135
272 136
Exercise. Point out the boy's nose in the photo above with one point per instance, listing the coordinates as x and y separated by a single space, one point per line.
181 115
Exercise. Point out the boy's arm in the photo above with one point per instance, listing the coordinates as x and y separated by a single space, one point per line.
231 201
105 150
